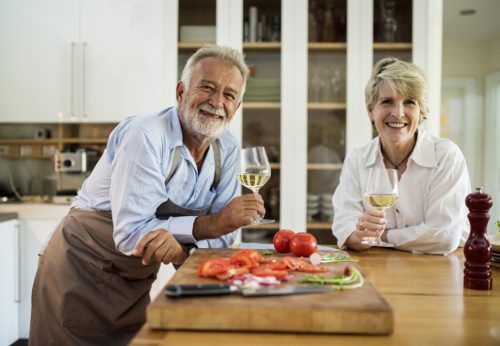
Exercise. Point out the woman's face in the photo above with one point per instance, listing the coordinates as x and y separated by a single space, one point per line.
396 117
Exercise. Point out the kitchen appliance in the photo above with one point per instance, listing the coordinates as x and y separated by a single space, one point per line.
70 162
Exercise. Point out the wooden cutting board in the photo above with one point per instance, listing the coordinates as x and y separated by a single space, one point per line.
358 311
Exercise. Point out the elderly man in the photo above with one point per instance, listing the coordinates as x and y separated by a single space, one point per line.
165 183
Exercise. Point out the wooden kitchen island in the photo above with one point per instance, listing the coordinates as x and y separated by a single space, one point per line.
426 293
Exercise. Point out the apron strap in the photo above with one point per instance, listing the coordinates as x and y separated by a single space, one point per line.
217 158
175 163
218 164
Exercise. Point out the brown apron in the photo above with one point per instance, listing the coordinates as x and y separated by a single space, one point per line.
85 291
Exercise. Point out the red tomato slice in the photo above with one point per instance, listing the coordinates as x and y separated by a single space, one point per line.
243 260
309 268
266 271
232 272
213 266
277 266
293 263
254 254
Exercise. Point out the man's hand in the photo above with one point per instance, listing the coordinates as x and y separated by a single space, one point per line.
241 211
160 246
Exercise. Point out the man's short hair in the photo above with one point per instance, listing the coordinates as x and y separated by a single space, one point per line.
224 53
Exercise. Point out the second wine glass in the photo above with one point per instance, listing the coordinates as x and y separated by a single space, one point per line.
254 173
381 192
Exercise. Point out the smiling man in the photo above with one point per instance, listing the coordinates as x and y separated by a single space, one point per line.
165 183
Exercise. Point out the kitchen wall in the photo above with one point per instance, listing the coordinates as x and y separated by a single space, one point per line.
466 65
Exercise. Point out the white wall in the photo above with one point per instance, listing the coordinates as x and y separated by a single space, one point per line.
471 61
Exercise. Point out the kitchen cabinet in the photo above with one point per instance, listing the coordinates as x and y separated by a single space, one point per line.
75 60
9 290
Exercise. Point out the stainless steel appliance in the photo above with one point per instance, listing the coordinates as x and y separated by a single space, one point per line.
70 162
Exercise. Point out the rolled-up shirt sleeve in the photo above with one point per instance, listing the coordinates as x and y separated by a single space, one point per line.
137 188
347 202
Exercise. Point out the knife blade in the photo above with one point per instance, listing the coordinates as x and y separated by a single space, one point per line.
220 289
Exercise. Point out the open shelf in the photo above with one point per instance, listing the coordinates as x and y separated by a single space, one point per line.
261 45
327 46
326 106
383 46
261 105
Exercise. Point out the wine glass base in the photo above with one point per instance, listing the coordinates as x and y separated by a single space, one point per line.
263 221
372 241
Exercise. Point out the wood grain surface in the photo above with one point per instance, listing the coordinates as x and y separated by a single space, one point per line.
426 293
358 311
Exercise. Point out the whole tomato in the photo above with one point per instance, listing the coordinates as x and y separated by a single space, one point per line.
281 240
303 244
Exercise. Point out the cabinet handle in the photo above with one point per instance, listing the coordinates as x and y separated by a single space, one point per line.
84 79
72 82
17 260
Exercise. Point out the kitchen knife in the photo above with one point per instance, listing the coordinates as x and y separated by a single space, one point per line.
219 289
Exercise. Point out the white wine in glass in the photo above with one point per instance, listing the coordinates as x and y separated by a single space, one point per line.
381 192
254 173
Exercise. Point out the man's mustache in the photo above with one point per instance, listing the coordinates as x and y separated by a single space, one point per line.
209 109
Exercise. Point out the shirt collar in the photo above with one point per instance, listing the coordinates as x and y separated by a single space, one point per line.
424 153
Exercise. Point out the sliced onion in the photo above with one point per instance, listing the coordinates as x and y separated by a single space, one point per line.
315 259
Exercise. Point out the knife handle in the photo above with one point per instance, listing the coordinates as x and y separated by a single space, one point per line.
197 290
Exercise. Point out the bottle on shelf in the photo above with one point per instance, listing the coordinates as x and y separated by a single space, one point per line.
328 24
313 23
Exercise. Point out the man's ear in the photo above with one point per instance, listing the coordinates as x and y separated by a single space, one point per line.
238 106
179 91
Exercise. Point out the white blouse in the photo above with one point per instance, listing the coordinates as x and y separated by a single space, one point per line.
430 215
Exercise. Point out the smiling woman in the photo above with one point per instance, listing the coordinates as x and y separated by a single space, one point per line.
430 214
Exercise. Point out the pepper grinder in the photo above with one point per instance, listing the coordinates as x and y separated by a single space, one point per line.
477 250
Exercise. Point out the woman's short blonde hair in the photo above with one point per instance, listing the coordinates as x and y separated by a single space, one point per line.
406 78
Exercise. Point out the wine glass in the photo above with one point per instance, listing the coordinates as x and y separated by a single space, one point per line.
381 192
254 172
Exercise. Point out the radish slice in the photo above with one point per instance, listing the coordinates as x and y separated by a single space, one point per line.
315 259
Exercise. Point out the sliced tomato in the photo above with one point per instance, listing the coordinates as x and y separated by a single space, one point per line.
254 254
264 270
213 267
232 271
277 266
309 268
293 263
240 259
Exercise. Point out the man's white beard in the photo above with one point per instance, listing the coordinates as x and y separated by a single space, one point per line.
204 128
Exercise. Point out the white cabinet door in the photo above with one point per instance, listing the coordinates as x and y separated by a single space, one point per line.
35 64
34 233
123 58
9 289
82 60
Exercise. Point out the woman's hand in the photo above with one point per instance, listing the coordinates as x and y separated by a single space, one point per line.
370 224
160 246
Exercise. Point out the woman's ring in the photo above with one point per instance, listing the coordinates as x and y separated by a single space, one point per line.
361 227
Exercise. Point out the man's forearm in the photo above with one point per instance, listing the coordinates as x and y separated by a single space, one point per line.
209 227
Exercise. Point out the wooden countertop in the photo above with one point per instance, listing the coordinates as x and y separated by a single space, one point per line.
7 216
425 291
